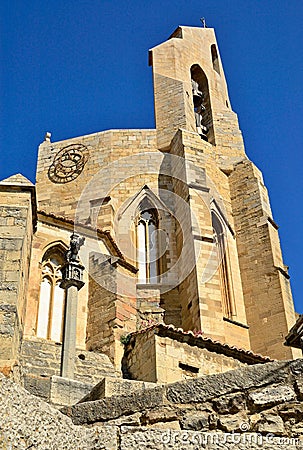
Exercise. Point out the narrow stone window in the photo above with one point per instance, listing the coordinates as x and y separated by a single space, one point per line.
221 246
51 300
215 59
147 245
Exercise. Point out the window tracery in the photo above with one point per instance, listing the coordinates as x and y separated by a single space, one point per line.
52 298
147 246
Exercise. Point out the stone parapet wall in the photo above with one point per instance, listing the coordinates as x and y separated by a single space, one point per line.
139 360
165 354
111 306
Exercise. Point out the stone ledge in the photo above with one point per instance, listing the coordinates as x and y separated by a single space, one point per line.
67 392
193 392
205 388
114 407
28 422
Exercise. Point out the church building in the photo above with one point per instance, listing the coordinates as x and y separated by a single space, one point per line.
147 254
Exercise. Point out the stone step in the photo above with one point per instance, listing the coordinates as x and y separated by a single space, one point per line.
109 387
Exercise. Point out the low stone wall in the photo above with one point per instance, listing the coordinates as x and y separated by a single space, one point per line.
264 400
41 359
250 408
16 229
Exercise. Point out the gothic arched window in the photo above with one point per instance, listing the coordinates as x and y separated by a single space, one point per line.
221 245
147 245
51 300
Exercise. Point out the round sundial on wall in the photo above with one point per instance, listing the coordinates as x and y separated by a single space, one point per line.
68 163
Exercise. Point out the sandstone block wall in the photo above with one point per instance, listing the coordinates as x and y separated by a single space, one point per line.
204 188
151 356
268 302
110 313
107 181
41 359
247 408
140 358
16 229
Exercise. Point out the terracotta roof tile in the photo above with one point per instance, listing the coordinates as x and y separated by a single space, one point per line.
101 233
199 340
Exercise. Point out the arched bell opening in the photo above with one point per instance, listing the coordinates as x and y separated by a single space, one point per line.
202 105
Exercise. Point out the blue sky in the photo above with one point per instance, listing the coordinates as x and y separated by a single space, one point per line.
77 67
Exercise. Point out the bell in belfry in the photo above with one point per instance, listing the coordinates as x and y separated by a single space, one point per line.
197 94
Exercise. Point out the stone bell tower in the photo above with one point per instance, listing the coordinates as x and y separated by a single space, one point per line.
185 66
239 289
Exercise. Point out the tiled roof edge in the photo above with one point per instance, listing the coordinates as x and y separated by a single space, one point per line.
201 341
101 233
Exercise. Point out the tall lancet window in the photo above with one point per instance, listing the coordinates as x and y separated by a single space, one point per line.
51 301
222 250
147 245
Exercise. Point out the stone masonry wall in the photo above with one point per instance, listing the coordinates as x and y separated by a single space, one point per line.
268 301
247 408
15 240
203 187
139 360
41 359
187 275
111 306
101 308
250 408
160 359
180 361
